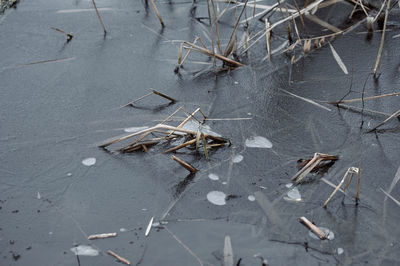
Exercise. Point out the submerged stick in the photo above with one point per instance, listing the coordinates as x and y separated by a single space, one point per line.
313 228
101 236
118 257
98 15
69 36
184 164
157 13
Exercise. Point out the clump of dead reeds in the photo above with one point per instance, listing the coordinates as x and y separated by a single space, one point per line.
311 164
163 132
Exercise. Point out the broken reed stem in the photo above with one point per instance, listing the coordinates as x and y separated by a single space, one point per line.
138 99
216 27
205 146
181 146
118 257
164 96
378 59
395 114
210 53
318 157
268 37
365 99
313 228
211 33
232 39
69 36
101 236
358 184
157 13
184 164
98 15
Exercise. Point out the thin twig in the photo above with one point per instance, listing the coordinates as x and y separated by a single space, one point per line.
395 114
184 164
69 36
98 15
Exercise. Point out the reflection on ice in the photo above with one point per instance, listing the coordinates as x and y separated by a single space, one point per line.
83 250
258 142
216 197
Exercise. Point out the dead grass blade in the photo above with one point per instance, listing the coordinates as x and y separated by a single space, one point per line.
304 171
307 100
366 98
228 253
338 60
395 114
391 197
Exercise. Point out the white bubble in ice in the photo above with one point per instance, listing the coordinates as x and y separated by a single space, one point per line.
340 251
258 142
237 158
289 185
293 195
216 197
123 230
213 177
251 198
329 234
83 250
89 161
224 183
134 129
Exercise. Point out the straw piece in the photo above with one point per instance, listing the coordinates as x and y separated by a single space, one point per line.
101 236
157 13
118 257
338 60
98 15
268 36
228 253
366 98
313 228
184 164
205 146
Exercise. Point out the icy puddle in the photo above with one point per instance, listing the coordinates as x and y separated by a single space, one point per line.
83 250
258 142
89 161
216 197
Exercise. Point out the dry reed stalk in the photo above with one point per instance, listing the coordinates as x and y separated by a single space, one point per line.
232 39
313 228
98 15
184 164
211 34
307 46
323 23
358 184
205 146
395 114
216 27
268 37
318 157
365 98
187 143
172 100
101 236
218 56
118 257
157 13
378 59
69 36
350 172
